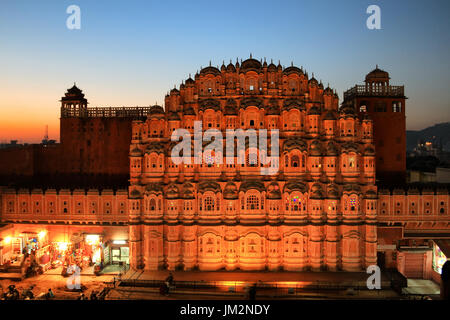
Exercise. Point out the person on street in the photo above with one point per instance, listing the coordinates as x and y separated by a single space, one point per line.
50 294
93 296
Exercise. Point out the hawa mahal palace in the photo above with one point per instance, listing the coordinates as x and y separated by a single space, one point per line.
338 201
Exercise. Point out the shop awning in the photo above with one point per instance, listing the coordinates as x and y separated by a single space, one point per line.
444 245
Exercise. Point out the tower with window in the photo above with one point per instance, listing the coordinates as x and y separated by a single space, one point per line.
385 105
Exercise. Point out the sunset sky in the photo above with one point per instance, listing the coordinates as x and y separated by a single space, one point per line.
130 53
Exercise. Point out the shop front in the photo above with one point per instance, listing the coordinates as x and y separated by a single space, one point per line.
85 251
120 252
89 248
22 250
441 252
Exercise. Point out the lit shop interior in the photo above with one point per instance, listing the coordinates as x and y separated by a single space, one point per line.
51 250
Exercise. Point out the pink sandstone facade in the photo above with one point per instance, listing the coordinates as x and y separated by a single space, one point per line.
318 212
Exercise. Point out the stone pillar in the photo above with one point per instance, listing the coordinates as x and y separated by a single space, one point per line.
173 244
153 247
273 259
231 246
316 243
331 248
135 246
189 248
351 249
371 246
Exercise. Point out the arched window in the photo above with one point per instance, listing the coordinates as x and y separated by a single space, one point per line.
296 204
252 158
252 202
153 161
353 203
295 161
209 204
295 123
152 205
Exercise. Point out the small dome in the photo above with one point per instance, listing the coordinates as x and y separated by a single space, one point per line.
377 74
313 111
333 192
273 109
174 116
172 192
272 67
273 191
135 194
369 151
370 194
250 64
328 91
332 149
156 110
74 90
350 147
74 93
136 152
190 81
313 81
231 68
330 116
347 111
295 185
230 191
316 191
293 69
230 110
155 147
189 111
315 148
210 70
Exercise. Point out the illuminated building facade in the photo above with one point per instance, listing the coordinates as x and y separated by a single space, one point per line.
318 212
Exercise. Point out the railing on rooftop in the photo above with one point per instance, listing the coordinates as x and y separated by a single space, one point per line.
100 112
367 90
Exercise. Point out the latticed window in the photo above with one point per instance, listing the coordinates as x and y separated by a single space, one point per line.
295 161
252 202
252 159
209 204
295 123
353 204
152 205
153 162
210 157
296 204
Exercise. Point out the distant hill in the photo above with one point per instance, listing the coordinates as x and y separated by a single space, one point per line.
441 131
